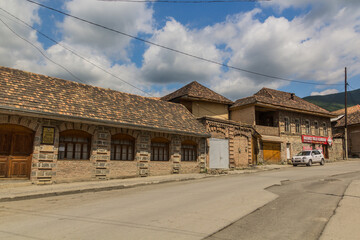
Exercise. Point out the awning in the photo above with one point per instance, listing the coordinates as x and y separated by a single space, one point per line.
267 138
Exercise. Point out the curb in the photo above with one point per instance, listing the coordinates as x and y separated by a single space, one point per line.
129 185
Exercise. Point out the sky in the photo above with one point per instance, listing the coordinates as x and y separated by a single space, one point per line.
302 40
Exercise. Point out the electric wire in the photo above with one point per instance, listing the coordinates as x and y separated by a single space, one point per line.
74 52
176 50
41 52
185 1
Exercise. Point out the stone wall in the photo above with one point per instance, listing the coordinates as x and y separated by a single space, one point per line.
47 168
239 140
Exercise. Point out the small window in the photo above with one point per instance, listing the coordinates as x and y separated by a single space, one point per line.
297 125
307 126
74 144
316 124
122 147
287 124
325 129
159 149
188 151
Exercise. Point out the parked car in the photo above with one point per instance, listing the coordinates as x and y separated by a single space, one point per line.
308 158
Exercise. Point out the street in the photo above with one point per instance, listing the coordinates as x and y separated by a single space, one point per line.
292 203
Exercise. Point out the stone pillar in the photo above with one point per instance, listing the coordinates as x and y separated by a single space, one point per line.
143 143
101 153
202 155
176 154
44 159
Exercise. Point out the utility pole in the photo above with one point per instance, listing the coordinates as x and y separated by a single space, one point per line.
345 130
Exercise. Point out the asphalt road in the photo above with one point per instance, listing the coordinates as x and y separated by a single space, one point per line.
189 210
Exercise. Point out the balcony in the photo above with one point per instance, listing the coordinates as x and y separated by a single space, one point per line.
269 131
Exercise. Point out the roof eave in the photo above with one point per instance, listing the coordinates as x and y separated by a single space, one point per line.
61 117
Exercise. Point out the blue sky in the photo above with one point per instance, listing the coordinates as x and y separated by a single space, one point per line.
294 39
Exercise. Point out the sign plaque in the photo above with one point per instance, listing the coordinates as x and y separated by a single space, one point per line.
48 135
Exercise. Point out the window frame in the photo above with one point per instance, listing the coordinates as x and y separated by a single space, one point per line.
297 126
157 145
307 127
286 124
129 146
191 148
325 129
74 134
316 128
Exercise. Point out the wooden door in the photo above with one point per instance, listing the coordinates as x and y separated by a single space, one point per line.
272 152
16 146
241 155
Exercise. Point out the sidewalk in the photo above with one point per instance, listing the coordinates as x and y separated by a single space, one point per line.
344 224
11 190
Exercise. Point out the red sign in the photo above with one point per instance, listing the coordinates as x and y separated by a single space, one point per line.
315 139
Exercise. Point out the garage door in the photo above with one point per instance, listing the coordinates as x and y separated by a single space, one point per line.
272 152
219 153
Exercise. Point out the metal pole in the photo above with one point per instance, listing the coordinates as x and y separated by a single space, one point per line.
345 129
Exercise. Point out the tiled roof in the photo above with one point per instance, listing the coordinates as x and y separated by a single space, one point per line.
196 90
349 110
280 99
352 119
29 92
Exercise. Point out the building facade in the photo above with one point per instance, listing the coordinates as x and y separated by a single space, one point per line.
287 125
53 130
232 144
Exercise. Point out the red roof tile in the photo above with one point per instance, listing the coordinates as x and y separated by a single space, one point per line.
280 99
349 110
198 91
37 93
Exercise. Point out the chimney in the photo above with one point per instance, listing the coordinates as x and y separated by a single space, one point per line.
292 96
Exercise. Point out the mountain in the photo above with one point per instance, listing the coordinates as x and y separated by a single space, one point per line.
333 102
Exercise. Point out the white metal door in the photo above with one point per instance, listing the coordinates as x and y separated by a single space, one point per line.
219 153
288 151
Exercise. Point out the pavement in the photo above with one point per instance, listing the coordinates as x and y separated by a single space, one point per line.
13 190
345 222
342 225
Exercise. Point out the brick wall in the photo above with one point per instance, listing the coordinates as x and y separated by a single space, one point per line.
46 168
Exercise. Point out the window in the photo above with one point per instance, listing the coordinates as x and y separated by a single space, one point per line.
188 151
74 144
122 147
297 125
316 124
287 124
307 126
159 149
325 129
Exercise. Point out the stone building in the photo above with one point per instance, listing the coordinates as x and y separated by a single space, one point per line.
53 130
232 144
353 123
287 125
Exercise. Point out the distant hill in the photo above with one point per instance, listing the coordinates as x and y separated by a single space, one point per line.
333 102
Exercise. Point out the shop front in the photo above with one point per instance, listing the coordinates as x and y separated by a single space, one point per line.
317 143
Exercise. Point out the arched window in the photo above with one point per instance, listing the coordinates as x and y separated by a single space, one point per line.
122 147
74 144
188 151
287 124
159 149
325 129
297 125
316 124
307 126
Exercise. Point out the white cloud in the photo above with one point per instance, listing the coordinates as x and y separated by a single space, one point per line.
164 66
129 18
325 92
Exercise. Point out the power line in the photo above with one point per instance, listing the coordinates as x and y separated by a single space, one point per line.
38 49
73 52
185 1
175 50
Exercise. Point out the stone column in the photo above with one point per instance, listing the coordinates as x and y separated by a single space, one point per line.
101 152
143 155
